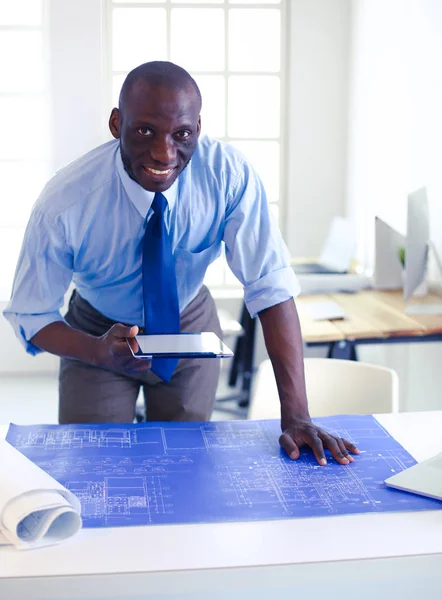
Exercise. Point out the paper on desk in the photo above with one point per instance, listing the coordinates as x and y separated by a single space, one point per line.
423 309
35 510
326 310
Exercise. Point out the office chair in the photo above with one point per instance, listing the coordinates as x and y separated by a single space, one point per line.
333 387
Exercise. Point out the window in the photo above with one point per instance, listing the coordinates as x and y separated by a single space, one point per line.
23 160
234 50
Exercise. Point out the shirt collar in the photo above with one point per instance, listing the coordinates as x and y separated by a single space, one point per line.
142 199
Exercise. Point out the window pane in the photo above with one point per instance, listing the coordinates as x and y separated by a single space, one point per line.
215 273
219 273
22 71
230 278
22 183
10 245
139 36
204 50
254 109
254 40
20 12
212 89
264 156
24 134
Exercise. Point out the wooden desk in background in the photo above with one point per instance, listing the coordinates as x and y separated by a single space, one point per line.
373 317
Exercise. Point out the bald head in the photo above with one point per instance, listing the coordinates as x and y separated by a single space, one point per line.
158 123
159 74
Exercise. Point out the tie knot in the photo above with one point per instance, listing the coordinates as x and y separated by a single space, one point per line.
159 204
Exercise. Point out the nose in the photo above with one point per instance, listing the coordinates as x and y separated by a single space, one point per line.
163 150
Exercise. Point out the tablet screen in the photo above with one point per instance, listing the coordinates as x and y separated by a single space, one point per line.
182 344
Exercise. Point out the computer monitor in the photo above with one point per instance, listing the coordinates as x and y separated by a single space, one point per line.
417 242
387 274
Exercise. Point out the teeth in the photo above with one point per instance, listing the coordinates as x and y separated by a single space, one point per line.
155 172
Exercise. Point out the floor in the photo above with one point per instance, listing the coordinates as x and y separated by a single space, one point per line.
28 399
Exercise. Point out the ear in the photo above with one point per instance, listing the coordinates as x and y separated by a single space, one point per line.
198 127
114 123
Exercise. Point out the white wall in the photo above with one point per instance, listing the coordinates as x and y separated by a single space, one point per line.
76 67
317 124
395 126
395 146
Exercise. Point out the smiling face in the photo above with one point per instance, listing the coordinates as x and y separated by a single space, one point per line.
158 128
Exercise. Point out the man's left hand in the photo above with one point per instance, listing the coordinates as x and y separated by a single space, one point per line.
303 432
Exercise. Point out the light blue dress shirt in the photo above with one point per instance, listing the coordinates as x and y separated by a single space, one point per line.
87 228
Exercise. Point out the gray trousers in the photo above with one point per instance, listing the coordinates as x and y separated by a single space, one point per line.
89 394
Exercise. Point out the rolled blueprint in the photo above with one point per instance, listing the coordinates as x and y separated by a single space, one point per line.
35 510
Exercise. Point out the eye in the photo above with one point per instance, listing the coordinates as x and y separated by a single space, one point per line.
145 131
183 135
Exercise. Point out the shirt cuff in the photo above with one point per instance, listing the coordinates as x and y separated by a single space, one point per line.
274 288
26 326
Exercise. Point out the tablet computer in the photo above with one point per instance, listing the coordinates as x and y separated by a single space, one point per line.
180 345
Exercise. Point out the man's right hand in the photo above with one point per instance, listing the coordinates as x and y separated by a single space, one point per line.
114 352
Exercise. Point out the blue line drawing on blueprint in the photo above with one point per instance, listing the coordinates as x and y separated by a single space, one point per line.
163 473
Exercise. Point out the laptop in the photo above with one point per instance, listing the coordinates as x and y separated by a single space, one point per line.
424 479
337 253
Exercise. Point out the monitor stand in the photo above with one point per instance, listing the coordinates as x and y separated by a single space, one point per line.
428 309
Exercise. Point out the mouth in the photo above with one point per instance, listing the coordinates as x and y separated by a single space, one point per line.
158 173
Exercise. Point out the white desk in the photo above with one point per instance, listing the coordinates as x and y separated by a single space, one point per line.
363 556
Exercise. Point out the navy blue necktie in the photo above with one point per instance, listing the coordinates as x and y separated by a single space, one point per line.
160 294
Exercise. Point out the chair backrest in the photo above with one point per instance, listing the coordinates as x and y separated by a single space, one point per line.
333 387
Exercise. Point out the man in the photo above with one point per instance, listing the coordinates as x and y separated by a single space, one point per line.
96 224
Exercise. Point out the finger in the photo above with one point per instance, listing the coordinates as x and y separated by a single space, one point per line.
331 444
123 331
120 347
350 446
316 445
136 366
140 368
140 363
133 344
121 351
133 331
126 346
342 448
288 444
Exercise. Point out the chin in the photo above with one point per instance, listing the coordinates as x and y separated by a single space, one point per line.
153 184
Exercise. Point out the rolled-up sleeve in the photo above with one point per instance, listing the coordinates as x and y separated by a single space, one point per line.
43 274
255 250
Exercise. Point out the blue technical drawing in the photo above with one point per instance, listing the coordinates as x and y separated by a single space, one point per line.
164 473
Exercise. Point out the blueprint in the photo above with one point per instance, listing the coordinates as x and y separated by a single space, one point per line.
164 473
